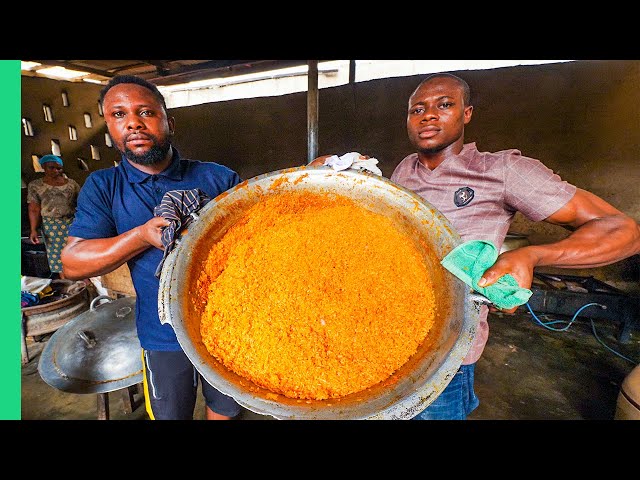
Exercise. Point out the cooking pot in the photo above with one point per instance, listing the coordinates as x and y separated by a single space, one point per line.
408 390
71 299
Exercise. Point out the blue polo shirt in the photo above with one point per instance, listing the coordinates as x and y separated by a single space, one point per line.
115 200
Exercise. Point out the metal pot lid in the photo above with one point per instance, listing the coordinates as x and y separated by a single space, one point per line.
96 352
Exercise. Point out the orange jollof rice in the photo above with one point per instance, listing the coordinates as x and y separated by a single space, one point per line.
314 297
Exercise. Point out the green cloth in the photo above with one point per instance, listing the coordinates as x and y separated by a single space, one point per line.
469 261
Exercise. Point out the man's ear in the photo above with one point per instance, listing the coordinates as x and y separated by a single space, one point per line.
468 111
172 125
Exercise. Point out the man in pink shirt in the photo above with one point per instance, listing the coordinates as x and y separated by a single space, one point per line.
480 193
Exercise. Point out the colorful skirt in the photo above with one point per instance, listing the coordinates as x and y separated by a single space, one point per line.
55 231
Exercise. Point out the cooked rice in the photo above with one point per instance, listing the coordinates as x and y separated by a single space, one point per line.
314 297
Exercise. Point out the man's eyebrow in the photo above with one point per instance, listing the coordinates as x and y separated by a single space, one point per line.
136 106
441 97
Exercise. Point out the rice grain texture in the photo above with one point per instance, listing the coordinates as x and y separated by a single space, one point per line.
314 297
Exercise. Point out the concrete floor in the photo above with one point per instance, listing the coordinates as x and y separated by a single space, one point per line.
527 372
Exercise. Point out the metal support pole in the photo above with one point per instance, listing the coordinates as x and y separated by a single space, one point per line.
312 111
352 72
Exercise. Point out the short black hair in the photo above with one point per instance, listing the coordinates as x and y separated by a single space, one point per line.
118 79
466 90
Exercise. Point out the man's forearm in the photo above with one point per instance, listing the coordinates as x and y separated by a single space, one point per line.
89 258
599 242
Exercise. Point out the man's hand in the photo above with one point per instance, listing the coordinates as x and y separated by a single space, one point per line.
519 263
319 161
151 231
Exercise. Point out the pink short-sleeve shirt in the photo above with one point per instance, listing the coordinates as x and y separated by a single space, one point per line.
480 193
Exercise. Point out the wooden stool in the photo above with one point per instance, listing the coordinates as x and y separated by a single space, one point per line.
129 402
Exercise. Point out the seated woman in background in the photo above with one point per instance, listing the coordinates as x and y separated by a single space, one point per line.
52 203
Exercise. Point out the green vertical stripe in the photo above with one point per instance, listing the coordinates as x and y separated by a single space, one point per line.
10 321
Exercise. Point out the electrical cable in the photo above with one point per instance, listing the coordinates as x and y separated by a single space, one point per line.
575 315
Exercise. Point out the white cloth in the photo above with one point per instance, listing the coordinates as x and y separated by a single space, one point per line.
353 160
33 284
100 288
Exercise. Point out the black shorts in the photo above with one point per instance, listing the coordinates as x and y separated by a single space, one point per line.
171 385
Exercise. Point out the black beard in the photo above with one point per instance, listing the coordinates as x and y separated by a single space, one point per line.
156 154
432 150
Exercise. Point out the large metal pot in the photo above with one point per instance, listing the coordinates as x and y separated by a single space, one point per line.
72 299
409 390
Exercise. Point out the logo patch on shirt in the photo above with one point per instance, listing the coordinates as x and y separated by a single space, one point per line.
463 196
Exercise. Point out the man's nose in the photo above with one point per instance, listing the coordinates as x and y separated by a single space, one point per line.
430 113
134 123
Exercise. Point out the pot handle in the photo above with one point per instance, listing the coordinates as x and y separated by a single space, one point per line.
194 217
92 306
88 340
480 299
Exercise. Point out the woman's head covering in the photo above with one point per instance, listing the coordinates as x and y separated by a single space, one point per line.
50 158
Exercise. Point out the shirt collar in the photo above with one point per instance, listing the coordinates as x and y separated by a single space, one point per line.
468 151
173 171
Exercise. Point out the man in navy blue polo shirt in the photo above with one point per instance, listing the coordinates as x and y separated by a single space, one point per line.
115 223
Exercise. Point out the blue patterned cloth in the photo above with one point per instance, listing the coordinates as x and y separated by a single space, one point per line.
177 207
